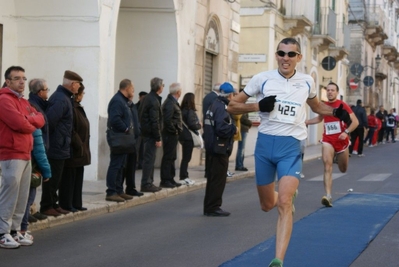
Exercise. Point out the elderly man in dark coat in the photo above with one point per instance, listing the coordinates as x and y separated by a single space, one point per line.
60 118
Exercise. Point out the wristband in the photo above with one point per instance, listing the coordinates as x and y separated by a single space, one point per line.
347 131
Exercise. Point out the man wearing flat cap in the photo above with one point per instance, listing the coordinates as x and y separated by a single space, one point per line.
60 118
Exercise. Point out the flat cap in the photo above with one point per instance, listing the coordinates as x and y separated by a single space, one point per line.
73 76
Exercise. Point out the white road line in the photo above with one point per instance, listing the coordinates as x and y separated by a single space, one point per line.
320 177
375 177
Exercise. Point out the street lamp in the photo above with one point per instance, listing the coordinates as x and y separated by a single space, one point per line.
377 63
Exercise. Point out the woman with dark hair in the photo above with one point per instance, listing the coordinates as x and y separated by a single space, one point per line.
190 120
70 192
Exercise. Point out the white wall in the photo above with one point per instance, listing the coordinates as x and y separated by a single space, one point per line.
146 47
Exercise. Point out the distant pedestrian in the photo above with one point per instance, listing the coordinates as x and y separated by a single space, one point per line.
372 123
381 115
190 120
139 145
172 128
358 133
150 116
131 160
390 126
246 124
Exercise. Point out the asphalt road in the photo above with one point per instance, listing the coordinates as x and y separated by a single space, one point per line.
173 232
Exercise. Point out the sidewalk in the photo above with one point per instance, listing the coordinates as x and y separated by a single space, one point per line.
94 192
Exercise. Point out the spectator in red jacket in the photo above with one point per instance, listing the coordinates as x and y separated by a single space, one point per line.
18 120
371 119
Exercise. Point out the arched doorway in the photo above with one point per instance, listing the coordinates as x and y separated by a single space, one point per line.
146 44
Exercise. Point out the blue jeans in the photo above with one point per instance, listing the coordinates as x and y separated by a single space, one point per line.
241 150
115 174
31 199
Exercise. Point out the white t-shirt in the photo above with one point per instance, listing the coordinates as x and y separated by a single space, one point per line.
289 113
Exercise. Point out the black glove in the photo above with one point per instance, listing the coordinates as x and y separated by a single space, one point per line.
267 103
342 114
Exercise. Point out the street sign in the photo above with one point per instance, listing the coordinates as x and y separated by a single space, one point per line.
352 84
328 63
356 69
368 81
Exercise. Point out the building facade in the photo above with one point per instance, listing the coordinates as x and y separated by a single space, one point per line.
374 53
194 42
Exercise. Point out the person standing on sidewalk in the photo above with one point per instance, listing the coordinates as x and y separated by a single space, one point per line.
372 123
246 124
60 119
150 115
361 116
281 97
219 131
18 121
139 145
172 127
191 121
73 174
381 115
119 120
335 141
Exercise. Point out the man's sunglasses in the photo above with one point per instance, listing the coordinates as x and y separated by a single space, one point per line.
281 53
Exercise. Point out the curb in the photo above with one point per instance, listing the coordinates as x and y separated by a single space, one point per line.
104 207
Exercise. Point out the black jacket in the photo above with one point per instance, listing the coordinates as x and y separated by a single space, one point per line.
219 128
60 118
119 114
361 116
190 118
80 143
150 116
207 102
245 123
41 105
171 115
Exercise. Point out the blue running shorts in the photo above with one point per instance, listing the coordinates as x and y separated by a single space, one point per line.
276 153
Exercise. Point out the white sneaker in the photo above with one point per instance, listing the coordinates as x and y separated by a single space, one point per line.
230 174
27 235
6 241
187 181
22 239
354 152
302 175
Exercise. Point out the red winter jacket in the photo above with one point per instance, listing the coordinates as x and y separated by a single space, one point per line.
18 120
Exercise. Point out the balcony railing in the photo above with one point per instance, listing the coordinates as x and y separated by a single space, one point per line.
296 9
376 17
343 36
326 23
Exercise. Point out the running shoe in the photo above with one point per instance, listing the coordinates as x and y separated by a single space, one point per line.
276 263
6 241
326 201
293 199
